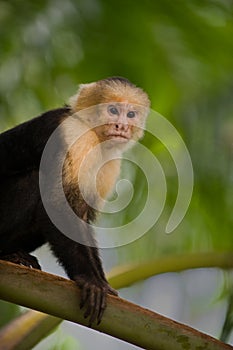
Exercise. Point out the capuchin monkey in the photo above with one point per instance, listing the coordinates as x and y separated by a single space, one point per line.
112 112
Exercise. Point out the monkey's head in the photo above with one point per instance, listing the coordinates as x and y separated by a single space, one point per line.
114 107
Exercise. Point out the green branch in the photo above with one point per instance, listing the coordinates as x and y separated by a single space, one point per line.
60 297
27 330
125 275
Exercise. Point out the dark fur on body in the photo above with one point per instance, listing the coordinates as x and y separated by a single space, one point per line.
24 224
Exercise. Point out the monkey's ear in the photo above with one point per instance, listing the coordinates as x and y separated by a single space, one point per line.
84 98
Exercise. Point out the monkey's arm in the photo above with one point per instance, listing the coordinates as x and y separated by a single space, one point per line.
21 147
83 265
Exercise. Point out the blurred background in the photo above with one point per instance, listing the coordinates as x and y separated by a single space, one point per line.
181 53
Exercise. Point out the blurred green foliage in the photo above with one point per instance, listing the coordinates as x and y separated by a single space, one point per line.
8 312
180 52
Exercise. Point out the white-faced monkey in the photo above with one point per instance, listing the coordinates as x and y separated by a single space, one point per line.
117 108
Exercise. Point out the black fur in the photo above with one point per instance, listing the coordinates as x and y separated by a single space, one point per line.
24 224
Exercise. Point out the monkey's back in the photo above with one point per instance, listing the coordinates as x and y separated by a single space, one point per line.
20 200
21 149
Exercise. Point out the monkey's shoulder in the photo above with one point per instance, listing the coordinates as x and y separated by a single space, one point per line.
21 147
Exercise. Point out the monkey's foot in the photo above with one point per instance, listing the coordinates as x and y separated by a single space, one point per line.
94 297
22 258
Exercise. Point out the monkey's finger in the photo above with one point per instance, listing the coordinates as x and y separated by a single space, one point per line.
112 291
90 306
96 307
35 265
84 295
102 308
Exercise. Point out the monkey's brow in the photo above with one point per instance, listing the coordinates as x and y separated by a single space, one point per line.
129 106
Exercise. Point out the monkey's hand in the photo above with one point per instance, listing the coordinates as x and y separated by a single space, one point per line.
22 258
93 297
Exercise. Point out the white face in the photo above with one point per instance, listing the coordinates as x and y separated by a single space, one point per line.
121 121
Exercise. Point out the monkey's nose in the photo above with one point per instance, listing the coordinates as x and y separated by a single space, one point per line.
121 127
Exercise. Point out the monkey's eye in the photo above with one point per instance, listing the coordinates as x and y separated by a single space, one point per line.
113 110
131 114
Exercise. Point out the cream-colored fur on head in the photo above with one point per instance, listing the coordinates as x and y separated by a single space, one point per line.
108 90
86 155
74 99
93 96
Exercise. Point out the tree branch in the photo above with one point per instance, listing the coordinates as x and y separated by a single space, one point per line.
122 276
27 330
60 297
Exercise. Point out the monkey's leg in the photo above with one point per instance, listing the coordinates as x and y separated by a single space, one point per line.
22 258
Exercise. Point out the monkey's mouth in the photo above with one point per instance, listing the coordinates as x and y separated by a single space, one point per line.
118 137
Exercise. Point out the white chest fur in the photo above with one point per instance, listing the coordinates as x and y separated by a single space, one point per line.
87 166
